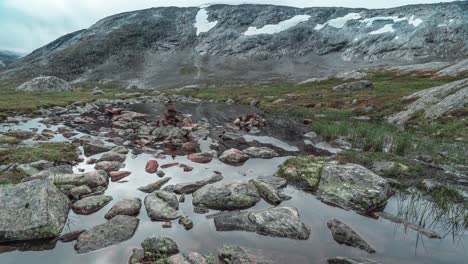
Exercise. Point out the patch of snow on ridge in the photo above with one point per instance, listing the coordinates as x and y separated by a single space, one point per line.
339 22
415 22
385 29
281 26
370 21
201 22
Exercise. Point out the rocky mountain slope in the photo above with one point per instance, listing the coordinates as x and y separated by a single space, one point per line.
7 58
161 46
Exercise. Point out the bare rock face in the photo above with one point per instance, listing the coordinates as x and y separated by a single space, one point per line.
32 210
434 102
343 234
455 69
45 84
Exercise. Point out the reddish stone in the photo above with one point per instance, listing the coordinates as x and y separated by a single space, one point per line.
118 175
200 157
152 166
190 147
168 165
187 168
114 111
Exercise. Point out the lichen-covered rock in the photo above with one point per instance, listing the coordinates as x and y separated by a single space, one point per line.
159 247
344 234
32 210
90 204
92 179
239 255
129 207
71 236
116 230
353 186
227 195
275 222
190 187
45 84
303 170
162 206
260 152
267 192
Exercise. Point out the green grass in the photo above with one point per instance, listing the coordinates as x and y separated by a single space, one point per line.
58 153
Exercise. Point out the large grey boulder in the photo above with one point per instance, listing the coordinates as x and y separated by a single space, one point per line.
116 230
353 186
129 207
433 102
45 84
157 247
227 195
190 187
91 204
275 222
344 234
32 210
162 206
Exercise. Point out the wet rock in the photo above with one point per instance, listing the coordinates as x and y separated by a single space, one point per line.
45 84
201 209
168 165
120 150
129 207
191 187
160 173
157 247
186 222
109 166
275 222
93 147
233 157
115 231
200 157
267 192
152 166
274 181
239 255
182 198
260 152
79 191
93 179
227 196
71 236
162 206
155 185
118 175
344 260
32 210
302 169
343 234
353 86
167 224
113 156
90 204
395 219
137 257
353 186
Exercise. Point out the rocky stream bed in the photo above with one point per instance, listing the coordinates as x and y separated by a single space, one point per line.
178 180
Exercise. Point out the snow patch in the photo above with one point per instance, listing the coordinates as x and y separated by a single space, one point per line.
385 29
415 21
339 22
201 22
370 21
281 26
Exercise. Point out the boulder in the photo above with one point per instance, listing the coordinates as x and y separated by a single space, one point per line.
162 206
92 179
227 196
274 181
191 187
115 231
45 84
304 170
129 207
353 186
90 204
152 166
157 247
204 157
275 222
168 132
344 234
239 255
260 152
267 192
32 210
233 157
93 147
353 86
186 223
113 156
109 166
154 186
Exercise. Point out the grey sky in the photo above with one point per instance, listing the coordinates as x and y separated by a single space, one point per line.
29 24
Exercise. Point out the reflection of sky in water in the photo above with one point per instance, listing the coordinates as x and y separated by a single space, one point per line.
394 244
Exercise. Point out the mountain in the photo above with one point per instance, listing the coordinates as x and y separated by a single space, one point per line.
7 58
167 46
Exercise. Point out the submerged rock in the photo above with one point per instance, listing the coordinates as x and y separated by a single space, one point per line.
353 186
233 157
129 207
343 234
191 187
227 195
155 185
275 222
116 230
162 206
426 232
91 204
32 210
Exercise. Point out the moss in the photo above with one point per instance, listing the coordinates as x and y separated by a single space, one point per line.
303 169
8 140
59 153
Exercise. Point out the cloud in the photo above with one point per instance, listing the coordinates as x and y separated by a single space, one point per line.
29 24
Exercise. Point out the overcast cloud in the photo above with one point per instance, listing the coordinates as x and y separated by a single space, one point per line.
29 24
